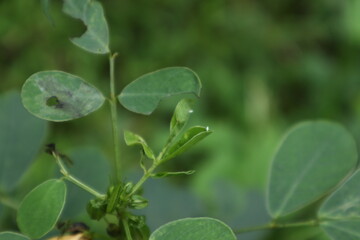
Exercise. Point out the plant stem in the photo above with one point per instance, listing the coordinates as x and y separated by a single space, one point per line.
143 179
74 180
273 225
127 229
114 119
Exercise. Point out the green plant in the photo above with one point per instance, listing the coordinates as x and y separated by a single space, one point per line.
311 164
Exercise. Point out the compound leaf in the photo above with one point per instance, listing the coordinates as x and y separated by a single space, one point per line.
194 228
311 152
133 139
59 96
12 236
340 214
41 208
188 139
21 137
144 94
96 37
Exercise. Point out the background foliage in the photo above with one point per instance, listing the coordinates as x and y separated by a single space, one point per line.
264 65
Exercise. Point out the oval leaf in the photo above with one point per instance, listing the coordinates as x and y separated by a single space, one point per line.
21 137
144 94
311 152
190 138
41 208
12 236
340 213
96 38
59 96
194 228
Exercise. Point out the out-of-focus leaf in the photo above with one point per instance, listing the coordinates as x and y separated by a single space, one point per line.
45 4
144 94
96 37
41 208
340 213
91 166
21 137
169 174
311 152
133 139
59 96
12 236
194 228
187 140
180 116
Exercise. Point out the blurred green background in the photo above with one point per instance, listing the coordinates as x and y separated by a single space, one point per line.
264 65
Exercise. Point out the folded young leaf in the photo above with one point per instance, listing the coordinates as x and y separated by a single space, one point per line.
58 96
193 229
168 174
187 140
96 37
144 94
12 236
180 117
41 208
133 139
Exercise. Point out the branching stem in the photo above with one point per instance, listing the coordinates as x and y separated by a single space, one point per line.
74 180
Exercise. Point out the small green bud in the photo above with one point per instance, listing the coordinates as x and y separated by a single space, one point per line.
96 209
138 202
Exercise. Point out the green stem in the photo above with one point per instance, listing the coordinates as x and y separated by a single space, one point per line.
74 180
143 179
127 229
114 119
273 225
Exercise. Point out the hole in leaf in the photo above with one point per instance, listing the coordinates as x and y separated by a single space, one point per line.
54 101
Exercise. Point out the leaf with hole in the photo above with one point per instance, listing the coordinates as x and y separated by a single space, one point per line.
21 137
194 228
133 139
96 37
41 208
180 117
339 215
12 236
311 152
144 94
58 96
188 139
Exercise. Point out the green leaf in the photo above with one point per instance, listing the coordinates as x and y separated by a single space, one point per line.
187 140
133 139
340 214
312 159
12 236
45 4
194 228
21 137
96 37
41 208
168 174
144 94
59 96
180 116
